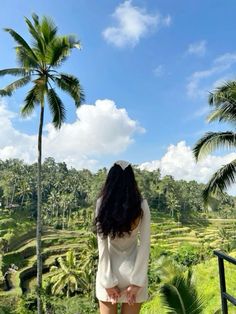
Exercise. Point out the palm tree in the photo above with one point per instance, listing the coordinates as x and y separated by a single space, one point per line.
67 276
39 65
180 295
223 101
89 260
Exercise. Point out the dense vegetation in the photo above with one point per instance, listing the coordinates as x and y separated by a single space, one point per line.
184 234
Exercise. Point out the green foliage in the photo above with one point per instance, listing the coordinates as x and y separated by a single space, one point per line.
187 255
181 296
27 304
67 278
7 223
223 101
73 305
67 193
154 306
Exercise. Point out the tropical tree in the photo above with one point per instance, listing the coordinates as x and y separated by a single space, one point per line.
67 277
38 65
89 259
223 101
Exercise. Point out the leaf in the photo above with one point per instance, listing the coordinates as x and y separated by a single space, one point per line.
56 107
20 40
181 296
9 89
71 85
213 140
220 180
15 72
36 34
32 98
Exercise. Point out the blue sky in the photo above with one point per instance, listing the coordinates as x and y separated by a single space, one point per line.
151 63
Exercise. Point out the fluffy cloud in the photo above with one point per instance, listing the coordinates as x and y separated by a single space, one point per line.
132 23
179 162
100 129
198 48
14 144
201 82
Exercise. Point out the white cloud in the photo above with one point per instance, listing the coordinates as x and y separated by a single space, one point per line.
198 48
132 23
179 162
226 59
202 111
201 82
100 129
14 144
159 70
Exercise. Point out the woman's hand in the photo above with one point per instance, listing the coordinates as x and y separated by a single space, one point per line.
131 293
113 294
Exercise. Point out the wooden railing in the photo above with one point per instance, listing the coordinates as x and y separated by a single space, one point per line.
223 291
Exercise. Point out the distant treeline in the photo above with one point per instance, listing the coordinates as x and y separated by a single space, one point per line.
67 190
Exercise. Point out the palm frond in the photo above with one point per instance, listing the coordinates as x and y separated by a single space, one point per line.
32 99
225 112
56 107
181 296
34 31
36 20
15 72
213 140
20 40
71 85
25 59
63 264
71 259
58 51
220 180
9 89
59 284
48 29
223 93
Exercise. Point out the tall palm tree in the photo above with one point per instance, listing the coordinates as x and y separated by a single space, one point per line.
223 101
38 65
67 277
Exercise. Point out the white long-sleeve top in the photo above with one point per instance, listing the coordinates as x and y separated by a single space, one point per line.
124 261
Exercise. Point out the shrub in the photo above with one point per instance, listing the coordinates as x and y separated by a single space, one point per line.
7 222
187 255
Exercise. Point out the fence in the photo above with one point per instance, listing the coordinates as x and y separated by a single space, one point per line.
223 292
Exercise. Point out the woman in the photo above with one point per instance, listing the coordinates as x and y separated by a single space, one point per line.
121 214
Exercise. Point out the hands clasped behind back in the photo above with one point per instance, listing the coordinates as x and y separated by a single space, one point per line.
114 293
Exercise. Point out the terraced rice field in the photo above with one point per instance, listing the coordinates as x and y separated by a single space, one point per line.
166 234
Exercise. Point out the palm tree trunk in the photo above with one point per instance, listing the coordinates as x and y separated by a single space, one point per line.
39 214
63 218
13 192
22 200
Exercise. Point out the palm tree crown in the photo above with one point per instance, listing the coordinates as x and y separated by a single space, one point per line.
67 275
39 64
223 101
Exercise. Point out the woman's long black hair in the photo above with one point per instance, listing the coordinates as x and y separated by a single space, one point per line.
120 203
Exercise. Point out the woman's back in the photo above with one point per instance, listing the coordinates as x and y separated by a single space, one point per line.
122 261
